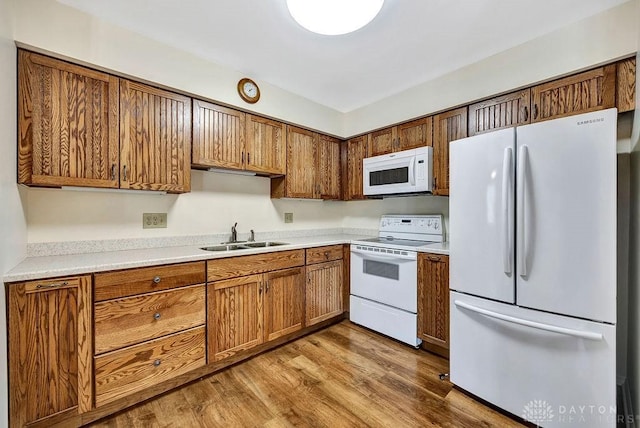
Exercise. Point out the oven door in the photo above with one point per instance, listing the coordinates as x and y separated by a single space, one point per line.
385 276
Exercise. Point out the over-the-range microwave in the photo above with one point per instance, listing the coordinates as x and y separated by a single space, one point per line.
406 172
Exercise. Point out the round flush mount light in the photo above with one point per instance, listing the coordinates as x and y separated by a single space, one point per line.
334 17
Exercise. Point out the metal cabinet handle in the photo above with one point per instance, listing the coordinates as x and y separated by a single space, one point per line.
156 279
156 316
156 363
54 285
113 171
248 157
124 173
267 286
526 113
535 111
434 258
242 157
326 254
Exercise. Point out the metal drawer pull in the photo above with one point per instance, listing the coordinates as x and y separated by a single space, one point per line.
113 171
156 279
156 316
156 363
326 254
124 173
55 285
434 258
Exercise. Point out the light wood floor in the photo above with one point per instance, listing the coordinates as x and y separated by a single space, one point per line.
342 376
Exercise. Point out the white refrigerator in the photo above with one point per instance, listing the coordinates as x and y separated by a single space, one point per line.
533 269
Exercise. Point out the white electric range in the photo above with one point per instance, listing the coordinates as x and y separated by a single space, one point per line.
384 275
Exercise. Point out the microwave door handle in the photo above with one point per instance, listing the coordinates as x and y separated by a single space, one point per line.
412 171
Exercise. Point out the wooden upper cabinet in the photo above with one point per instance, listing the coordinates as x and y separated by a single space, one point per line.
626 85
581 93
218 136
447 127
68 124
328 171
354 151
50 350
300 180
383 141
500 112
410 135
414 134
155 141
265 146
283 302
433 299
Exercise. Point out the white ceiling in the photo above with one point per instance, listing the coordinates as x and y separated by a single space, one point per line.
410 42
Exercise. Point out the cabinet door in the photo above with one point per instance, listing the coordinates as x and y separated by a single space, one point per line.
582 93
626 85
323 292
383 141
265 148
50 356
283 300
234 316
301 180
328 171
155 140
433 299
218 136
418 133
500 112
447 127
68 124
355 150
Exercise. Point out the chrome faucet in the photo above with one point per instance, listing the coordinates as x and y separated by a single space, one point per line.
234 233
252 237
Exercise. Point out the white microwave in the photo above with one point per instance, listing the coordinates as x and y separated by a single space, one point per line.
409 171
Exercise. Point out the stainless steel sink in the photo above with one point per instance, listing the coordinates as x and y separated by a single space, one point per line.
242 246
263 244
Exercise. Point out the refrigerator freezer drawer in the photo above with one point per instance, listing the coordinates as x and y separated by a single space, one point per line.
393 322
549 369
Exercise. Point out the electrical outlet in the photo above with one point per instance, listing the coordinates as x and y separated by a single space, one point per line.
288 217
154 220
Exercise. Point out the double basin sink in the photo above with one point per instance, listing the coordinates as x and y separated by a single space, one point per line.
242 245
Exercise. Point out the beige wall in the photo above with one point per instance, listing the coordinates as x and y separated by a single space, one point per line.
12 221
609 35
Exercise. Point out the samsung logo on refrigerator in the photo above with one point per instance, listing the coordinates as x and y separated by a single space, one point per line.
585 122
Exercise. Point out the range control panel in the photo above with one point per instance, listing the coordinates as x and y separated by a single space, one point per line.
424 227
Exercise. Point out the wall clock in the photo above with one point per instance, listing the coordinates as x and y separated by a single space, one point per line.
248 90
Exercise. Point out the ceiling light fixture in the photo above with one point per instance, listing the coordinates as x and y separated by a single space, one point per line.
334 17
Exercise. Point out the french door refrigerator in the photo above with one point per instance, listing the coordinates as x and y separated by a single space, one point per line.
533 269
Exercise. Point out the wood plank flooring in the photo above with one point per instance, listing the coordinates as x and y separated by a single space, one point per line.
342 376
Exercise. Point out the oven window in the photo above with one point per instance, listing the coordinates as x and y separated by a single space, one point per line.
389 176
382 269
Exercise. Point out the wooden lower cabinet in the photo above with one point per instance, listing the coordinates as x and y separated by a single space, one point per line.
50 374
123 372
234 316
324 292
283 300
433 302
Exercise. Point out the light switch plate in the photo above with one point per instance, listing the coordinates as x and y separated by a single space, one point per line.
288 217
154 220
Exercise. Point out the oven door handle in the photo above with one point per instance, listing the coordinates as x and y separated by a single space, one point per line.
386 257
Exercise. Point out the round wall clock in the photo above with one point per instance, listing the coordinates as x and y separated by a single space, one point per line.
248 90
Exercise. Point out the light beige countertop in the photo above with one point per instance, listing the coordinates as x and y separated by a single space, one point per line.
39 267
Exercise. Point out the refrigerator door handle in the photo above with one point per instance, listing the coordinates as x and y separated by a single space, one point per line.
589 335
507 215
522 207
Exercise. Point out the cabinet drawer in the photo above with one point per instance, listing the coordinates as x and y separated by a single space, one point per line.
233 267
131 320
324 254
132 369
113 285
